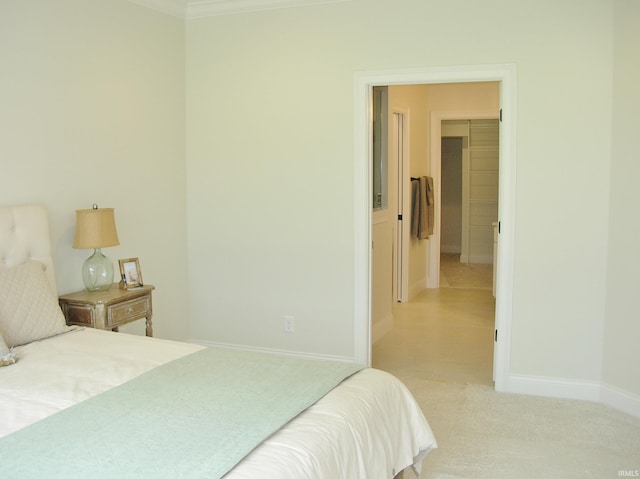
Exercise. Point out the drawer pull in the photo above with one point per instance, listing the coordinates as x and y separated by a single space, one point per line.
130 310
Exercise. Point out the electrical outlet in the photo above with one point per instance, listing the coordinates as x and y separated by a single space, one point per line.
289 326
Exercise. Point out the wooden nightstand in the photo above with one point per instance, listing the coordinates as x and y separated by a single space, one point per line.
108 309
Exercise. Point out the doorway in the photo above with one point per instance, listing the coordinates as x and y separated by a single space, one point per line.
449 333
505 75
469 166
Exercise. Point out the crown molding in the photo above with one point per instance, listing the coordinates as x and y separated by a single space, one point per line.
177 8
188 9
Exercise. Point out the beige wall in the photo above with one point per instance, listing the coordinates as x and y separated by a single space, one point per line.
92 111
382 239
270 216
98 87
456 98
622 327
412 99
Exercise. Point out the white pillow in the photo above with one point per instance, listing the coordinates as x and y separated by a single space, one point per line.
7 357
29 310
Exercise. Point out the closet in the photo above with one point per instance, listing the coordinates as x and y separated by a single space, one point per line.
479 186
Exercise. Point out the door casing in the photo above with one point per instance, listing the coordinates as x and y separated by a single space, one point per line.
364 81
401 160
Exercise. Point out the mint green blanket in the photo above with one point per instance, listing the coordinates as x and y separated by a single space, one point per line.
194 417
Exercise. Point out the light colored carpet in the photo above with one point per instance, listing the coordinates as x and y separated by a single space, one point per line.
483 434
441 347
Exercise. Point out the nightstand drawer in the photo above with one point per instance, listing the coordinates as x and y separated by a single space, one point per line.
124 312
79 314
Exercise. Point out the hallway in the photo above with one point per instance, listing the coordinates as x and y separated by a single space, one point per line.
444 334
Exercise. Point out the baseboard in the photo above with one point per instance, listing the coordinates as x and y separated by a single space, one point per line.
553 387
277 352
450 248
572 389
621 400
380 328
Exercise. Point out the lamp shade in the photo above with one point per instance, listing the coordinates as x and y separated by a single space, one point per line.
95 228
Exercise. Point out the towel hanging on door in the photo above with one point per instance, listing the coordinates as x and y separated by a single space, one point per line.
422 207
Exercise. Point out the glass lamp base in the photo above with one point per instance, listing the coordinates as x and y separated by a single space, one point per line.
97 272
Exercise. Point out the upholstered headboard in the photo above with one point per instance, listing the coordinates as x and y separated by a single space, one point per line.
24 235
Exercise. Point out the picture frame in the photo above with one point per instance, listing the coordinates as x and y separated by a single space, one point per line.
130 273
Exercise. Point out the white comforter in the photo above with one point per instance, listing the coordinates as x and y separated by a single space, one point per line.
368 427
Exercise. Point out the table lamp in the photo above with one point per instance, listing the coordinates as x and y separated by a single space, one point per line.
96 229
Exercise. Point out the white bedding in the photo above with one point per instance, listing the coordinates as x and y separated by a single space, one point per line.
368 427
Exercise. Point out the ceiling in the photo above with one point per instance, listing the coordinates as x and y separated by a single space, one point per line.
207 8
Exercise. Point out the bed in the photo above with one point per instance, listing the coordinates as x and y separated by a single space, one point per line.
81 402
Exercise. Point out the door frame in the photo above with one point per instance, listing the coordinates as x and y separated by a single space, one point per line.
435 148
364 81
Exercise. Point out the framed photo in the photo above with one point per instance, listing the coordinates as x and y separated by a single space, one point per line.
130 273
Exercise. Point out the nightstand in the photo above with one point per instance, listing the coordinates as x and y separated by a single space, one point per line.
108 309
